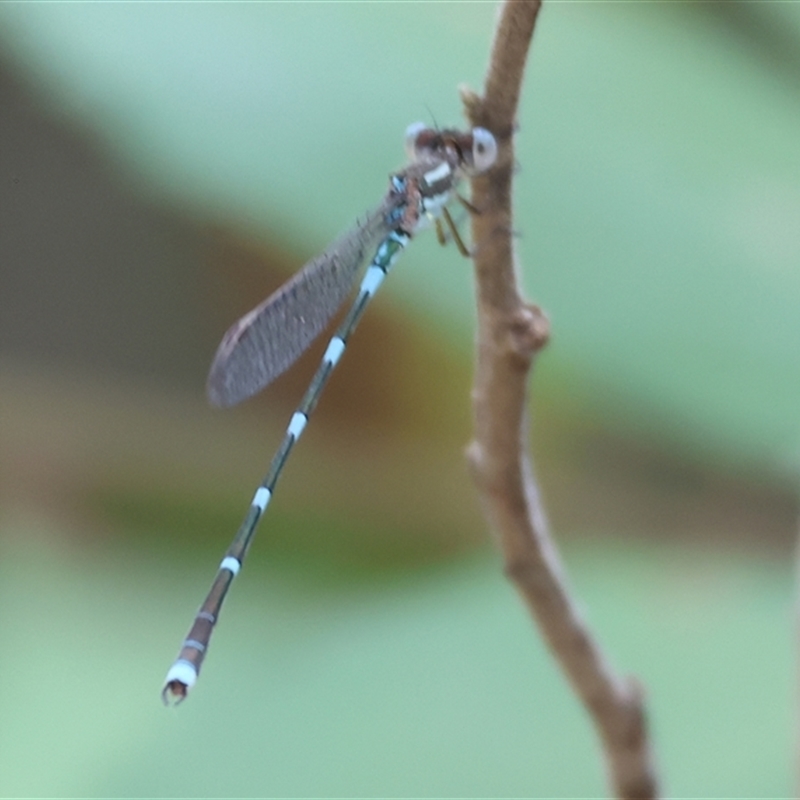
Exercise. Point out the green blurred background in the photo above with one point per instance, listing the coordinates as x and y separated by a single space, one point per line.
164 166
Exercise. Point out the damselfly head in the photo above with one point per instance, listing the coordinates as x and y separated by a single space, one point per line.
474 152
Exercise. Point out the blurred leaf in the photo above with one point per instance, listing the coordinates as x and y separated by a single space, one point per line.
428 684
658 203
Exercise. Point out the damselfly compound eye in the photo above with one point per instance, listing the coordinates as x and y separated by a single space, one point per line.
412 131
484 149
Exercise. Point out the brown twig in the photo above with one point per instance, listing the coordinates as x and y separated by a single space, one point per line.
797 660
510 334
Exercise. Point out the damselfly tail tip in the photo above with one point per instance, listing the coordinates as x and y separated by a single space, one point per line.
174 693
181 677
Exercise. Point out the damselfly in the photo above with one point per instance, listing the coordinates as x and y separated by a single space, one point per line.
268 340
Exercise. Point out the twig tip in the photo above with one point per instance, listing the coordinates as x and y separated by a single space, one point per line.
471 99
